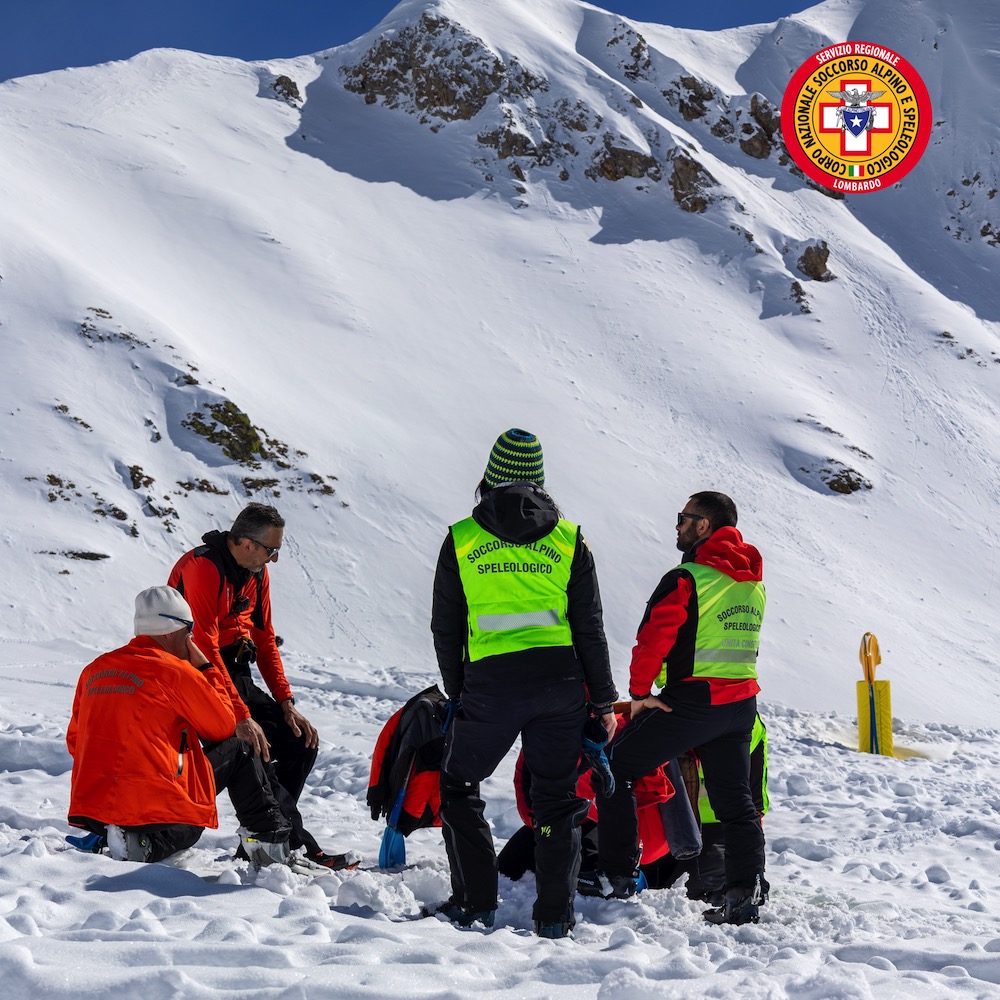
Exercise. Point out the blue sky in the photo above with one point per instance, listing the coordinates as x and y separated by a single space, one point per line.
41 35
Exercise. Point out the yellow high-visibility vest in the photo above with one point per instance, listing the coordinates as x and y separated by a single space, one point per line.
730 613
516 593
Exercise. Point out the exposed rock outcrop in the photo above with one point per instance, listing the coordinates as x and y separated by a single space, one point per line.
759 137
691 184
436 68
634 50
813 262
615 163
287 90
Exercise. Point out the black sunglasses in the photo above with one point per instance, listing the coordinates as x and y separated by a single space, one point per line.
694 517
187 624
271 552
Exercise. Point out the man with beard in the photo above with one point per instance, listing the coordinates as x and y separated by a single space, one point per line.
698 640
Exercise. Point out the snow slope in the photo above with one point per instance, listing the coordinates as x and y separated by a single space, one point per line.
383 278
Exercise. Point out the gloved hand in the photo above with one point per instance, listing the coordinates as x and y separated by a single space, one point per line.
244 651
451 708
595 740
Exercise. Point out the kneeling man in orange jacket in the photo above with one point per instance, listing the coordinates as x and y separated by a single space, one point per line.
142 780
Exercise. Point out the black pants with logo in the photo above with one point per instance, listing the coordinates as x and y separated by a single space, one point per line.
549 717
720 736
518 854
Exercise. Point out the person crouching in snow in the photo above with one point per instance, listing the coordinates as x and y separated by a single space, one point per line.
141 781
662 805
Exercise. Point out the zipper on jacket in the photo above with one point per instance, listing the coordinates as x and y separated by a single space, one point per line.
181 751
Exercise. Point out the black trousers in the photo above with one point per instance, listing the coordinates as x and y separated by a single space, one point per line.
239 770
518 854
720 735
291 760
707 872
549 719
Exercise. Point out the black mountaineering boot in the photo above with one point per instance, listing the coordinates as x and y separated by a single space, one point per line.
741 906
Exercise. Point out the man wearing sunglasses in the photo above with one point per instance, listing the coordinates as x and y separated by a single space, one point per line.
226 582
698 643
142 782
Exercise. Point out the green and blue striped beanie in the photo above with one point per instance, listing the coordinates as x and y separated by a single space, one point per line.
515 458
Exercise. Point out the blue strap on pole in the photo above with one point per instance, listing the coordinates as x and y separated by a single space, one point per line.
872 721
92 843
392 850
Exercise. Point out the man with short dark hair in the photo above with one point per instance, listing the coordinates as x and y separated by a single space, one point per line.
226 582
698 641
142 782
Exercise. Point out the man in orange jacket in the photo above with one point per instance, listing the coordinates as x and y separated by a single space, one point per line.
141 778
226 582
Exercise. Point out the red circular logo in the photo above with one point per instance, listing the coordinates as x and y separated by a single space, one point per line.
856 117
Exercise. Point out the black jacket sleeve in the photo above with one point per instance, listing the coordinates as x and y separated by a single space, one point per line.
586 620
449 620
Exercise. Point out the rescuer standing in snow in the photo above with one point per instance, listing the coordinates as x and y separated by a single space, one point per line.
699 641
519 635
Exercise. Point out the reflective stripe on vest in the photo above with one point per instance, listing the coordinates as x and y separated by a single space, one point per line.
516 593
730 613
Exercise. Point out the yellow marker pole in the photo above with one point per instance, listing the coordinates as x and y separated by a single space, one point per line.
874 703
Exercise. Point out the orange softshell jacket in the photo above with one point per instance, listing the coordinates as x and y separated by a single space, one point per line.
217 623
138 714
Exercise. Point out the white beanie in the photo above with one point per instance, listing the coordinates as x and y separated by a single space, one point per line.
160 610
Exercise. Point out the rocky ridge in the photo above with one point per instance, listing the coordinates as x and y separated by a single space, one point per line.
438 71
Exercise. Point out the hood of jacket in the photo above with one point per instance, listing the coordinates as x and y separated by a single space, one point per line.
234 572
726 551
520 513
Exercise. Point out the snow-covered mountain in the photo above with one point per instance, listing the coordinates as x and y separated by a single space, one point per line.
330 282
484 214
